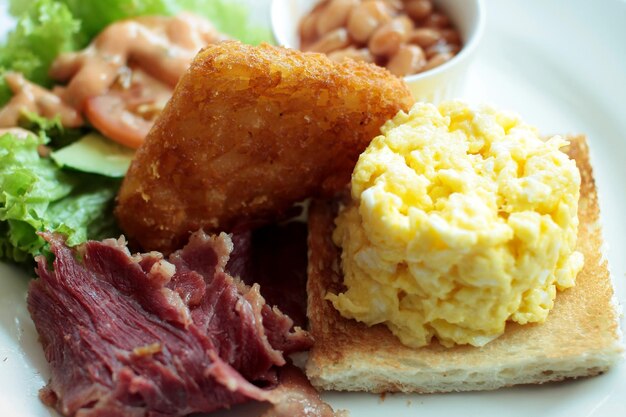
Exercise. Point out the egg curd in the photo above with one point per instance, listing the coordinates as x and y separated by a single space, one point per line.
461 219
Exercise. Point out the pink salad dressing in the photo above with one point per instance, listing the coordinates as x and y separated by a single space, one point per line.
121 81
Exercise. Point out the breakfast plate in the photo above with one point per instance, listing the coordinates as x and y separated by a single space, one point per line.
562 66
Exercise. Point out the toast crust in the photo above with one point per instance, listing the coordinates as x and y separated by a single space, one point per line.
581 336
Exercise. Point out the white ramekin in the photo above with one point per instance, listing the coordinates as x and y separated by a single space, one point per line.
440 83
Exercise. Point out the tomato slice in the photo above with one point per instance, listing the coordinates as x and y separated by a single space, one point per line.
126 115
109 115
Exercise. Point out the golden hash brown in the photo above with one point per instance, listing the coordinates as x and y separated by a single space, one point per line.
248 132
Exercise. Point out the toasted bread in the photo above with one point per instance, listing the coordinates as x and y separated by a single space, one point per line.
581 336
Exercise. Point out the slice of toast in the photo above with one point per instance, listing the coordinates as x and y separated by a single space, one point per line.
581 336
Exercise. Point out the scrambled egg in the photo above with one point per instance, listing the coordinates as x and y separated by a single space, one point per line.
461 219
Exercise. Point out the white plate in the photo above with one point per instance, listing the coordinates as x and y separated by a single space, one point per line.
562 65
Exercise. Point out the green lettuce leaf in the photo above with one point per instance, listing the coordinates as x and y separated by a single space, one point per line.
95 154
95 15
229 16
46 29
36 195
58 136
86 213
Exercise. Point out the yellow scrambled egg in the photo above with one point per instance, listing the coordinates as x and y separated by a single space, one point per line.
461 219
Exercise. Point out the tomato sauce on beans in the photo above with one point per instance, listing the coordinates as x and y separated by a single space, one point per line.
406 36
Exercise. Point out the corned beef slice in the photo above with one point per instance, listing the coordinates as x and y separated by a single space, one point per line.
296 397
275 256
141 336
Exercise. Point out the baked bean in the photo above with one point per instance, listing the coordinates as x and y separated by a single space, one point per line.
418 9
308 25
366 18
308 28
437 20
393 5
362 54
337 39
408 60
425 37
407 36
386 40
437 60
334 15
441 48
319 6
451 36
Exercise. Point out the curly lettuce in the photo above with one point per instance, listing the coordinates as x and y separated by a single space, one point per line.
36 195
229 16
46 29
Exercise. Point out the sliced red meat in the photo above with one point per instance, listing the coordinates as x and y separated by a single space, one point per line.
295 396
144 336
275 257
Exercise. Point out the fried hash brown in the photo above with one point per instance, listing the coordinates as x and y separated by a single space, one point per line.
248 132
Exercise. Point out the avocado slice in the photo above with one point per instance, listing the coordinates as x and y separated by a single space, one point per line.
95 154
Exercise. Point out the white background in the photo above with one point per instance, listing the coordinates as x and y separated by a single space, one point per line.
562 65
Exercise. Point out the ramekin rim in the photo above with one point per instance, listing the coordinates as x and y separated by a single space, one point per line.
465 53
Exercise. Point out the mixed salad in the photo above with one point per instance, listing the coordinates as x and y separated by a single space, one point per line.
58 177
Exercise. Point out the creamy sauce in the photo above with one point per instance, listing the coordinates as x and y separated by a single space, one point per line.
144 94
161 46
121 81
29 97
